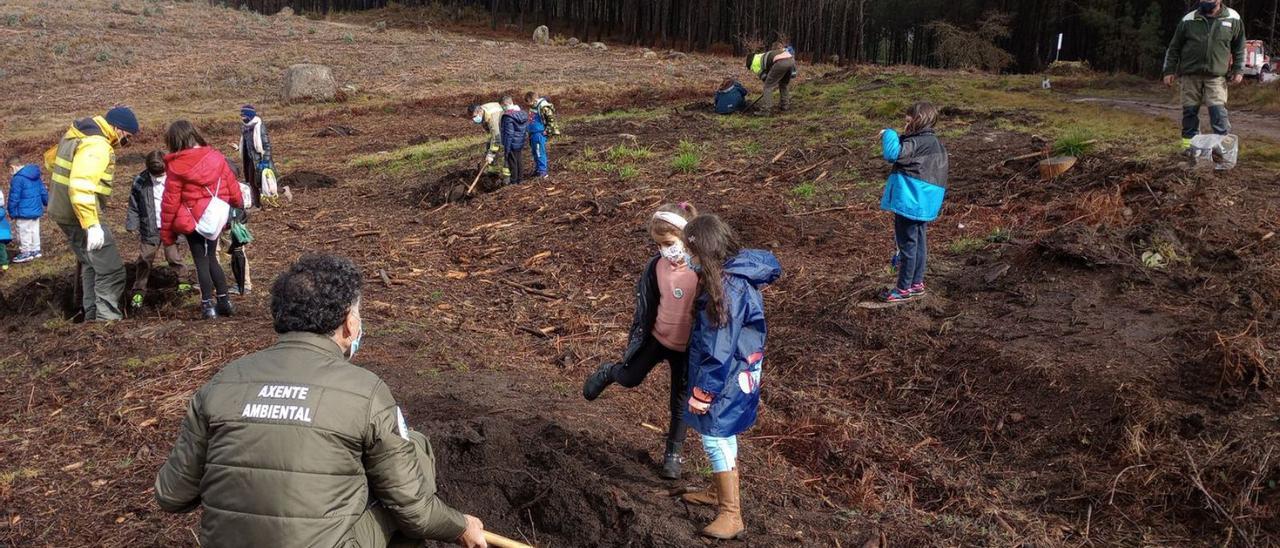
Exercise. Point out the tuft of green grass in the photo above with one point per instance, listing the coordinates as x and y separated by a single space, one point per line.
628 172
966 245
687 157
805 191
621 153
1076 142
8 477
752 148
423 157
889 109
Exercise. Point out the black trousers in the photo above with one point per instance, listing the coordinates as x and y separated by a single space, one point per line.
514 164
631 373
239 263
204 253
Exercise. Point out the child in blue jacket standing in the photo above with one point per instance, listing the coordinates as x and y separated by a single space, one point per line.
27 199
514 127
914 194
542 122
726 354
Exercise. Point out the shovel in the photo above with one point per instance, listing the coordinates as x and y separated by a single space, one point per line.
500 541
477 179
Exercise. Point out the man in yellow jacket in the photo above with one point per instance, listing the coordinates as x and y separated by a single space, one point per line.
489 115
82 165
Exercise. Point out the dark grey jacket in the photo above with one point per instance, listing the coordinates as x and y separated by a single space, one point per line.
142 210
646 309
289 446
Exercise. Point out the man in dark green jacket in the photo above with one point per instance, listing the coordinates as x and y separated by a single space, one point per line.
295 446
1207 49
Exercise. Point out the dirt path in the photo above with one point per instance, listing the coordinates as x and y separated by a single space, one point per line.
1246 124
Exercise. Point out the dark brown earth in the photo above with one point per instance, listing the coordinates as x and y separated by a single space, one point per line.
1051 391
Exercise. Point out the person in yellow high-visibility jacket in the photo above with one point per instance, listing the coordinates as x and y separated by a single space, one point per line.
489 115
83 164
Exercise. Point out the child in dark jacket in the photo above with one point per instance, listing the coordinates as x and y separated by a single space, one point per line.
731 97
726 356
914 194
515 126
660 328
143 218
28 197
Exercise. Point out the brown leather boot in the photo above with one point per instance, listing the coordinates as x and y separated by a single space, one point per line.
728 523
705 497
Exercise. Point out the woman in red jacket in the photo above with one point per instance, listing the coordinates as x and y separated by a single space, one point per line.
197 173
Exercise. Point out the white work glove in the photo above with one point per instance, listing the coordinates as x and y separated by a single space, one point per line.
488 158
97 238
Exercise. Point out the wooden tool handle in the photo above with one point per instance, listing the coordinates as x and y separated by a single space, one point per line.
500 541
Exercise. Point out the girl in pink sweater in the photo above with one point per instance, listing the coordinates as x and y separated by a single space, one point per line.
665 295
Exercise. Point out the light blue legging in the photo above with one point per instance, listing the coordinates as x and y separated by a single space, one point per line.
723 452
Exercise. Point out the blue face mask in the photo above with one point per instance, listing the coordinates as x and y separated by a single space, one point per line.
688 261
1208 7
355 345
479 119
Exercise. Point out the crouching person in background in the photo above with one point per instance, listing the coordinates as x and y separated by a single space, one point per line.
295 446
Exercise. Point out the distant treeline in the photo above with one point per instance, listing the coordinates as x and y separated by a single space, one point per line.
1120 35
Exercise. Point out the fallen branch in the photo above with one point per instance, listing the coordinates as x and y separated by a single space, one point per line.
817 211
527 289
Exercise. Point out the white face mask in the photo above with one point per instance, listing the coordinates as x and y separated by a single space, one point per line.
478 119
674 253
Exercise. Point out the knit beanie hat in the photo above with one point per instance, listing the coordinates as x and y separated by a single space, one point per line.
248 112
123 118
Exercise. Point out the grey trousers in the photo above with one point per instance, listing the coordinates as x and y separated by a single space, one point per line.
779 78
101 274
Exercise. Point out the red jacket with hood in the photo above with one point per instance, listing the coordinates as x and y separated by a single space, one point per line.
193 178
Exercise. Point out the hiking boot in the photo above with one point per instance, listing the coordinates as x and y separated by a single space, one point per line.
728 523
917 290
208 311
223 307
897 296
598 381
135 301
671 461
706 497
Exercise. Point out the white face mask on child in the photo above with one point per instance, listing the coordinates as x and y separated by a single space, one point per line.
674 253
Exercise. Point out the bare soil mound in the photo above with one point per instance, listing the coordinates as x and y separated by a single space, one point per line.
307 179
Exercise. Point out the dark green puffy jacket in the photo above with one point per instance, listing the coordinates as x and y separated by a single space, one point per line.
289 446
1207 46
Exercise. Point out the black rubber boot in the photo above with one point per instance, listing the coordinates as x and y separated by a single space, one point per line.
224 307
598 381
208 310
671 461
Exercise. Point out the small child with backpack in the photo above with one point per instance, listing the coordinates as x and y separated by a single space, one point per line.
514 124
238 236
913 193
542 124
28 197
726 357
665 295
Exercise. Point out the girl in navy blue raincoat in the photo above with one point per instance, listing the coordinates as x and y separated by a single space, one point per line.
726 355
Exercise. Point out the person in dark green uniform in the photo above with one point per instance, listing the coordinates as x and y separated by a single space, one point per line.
1206 52
295 446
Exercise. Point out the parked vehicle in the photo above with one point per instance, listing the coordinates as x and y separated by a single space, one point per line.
1257 58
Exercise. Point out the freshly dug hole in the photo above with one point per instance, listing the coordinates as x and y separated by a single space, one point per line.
452 187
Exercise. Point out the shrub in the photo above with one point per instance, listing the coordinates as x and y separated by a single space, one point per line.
960 48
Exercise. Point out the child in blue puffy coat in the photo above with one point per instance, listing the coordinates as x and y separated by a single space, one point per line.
28 198
726 356
913 193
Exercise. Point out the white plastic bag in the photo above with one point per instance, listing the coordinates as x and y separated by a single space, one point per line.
1220 151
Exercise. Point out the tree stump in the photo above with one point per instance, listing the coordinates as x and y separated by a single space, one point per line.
1055 166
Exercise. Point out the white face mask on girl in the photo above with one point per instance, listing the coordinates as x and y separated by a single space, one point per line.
674 253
